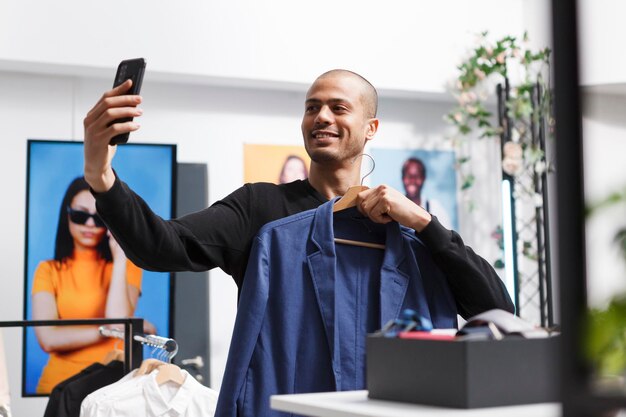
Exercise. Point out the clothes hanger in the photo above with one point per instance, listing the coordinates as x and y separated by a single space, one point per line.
169 372
348 200
148 365
115 354
350 197
359 243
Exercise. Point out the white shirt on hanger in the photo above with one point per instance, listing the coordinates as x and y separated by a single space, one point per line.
143 397
110 391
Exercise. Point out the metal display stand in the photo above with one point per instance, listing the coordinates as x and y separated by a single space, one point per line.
529 215
133 351
167 345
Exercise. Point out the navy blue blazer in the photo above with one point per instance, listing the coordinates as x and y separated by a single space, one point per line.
307 304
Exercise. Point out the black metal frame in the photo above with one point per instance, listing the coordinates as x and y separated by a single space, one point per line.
505 136
133 351
542 216
544 267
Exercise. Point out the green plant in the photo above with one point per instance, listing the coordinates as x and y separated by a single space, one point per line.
606 338
605 342
490 63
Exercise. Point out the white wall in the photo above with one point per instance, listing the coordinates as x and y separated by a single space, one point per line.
537 20
404 45
43 109
604 130
602 32
603 72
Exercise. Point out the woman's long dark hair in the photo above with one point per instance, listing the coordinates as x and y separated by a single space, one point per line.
64 246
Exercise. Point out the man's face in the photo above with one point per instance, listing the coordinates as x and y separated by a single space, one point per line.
335 125
413 179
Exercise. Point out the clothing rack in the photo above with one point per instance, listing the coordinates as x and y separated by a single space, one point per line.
133 352
167 345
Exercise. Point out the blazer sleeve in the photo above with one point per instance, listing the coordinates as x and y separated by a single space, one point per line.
248 323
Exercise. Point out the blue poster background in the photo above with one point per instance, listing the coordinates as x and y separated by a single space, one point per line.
148 169
439 186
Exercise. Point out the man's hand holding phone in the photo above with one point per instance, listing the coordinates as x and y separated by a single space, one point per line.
129 69
101 125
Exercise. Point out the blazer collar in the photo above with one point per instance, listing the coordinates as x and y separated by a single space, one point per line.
322 237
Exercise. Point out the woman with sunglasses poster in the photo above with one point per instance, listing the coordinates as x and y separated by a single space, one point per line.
89 277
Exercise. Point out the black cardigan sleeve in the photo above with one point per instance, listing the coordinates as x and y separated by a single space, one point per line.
214 237
474 283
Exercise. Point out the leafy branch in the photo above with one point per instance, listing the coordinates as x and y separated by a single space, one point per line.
497 61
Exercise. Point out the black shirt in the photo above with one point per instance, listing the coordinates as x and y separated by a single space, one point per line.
52 408
218 236
76 391
221 236
67 396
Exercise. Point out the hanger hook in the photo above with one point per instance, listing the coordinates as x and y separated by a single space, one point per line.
371 170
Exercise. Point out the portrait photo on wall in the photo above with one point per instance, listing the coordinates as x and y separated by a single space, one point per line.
74 268
278 164
427 177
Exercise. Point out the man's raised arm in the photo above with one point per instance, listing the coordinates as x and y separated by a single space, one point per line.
99 129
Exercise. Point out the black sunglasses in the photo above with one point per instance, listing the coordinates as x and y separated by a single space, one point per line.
81 217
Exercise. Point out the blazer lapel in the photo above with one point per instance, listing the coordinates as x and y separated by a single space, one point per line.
321 262
397 272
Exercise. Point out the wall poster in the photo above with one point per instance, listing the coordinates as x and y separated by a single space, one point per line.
427 177
70 261
278 164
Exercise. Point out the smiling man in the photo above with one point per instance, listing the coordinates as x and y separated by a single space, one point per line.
339 119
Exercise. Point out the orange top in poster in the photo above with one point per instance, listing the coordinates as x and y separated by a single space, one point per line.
274 163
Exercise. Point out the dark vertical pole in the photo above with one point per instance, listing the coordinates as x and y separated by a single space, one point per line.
127 347
535 125
192 288
137 348
570 203
505 124
545 212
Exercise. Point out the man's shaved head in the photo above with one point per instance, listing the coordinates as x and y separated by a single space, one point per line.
369 95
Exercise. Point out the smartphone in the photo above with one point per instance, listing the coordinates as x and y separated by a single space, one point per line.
128 69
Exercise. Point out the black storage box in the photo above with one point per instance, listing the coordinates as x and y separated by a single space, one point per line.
463 374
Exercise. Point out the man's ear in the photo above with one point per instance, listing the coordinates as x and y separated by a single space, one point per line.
372 128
